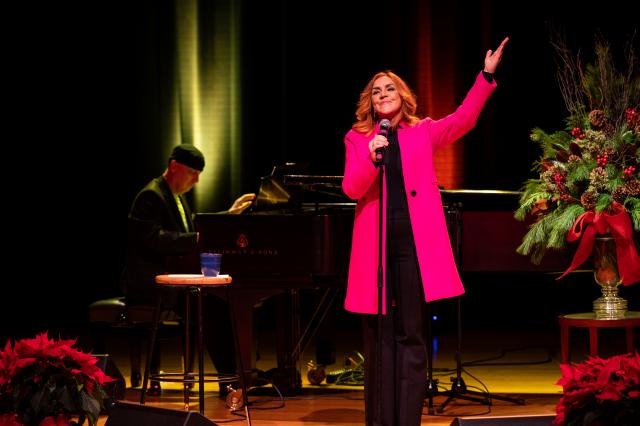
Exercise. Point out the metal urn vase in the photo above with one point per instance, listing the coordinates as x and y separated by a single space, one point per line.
609 306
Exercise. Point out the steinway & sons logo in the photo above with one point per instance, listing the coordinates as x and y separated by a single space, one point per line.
242 248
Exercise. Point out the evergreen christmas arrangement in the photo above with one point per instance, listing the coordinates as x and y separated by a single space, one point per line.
589 172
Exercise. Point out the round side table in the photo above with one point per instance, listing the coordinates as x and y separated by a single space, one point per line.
588 320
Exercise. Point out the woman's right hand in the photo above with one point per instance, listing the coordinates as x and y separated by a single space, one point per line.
378 142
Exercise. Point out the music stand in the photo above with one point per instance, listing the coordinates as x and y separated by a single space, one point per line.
459 388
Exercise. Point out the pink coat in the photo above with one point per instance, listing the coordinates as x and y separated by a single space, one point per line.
417 145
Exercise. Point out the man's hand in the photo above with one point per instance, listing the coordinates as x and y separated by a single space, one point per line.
242 203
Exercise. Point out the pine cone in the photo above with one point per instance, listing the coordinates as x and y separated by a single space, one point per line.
540 207
598 178
573 159
588 200
619 194
546 165
597 119
608 130
633 188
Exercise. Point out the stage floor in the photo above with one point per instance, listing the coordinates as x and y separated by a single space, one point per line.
315 407
510 347
506 365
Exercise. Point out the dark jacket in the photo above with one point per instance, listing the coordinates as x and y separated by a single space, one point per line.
156 233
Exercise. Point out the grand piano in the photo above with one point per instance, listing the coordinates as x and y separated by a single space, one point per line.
298 236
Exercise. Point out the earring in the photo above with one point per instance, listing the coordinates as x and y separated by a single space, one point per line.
375 116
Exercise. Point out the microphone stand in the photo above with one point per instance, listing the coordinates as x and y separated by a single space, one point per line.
378 389
385 125
458 387
432 384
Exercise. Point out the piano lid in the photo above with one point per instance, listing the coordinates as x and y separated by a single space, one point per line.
288 187
271 194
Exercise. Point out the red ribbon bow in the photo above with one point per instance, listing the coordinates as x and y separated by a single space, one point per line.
619 224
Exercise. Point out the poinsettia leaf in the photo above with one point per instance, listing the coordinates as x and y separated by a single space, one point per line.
39 400
10 419
91 407
66 399
591 417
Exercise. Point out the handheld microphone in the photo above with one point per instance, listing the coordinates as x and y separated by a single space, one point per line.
385 125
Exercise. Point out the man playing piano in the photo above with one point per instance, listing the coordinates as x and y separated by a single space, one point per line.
160 227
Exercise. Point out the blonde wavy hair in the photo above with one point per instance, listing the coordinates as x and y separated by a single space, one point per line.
365 116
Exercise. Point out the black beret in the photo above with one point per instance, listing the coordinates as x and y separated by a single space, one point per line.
188 155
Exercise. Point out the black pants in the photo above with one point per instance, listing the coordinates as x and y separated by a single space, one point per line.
403 343
218 336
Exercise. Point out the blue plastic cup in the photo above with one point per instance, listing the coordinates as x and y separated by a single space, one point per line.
210 264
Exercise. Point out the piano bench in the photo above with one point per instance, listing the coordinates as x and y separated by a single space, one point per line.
109 316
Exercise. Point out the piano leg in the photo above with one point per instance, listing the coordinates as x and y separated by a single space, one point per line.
244 301
288 378
289 341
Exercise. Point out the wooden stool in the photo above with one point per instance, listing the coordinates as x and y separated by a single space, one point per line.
195 283
588 320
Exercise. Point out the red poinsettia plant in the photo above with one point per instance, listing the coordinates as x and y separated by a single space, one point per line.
49 383
600 392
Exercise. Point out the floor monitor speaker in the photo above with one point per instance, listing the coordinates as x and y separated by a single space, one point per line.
538 420
128 414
